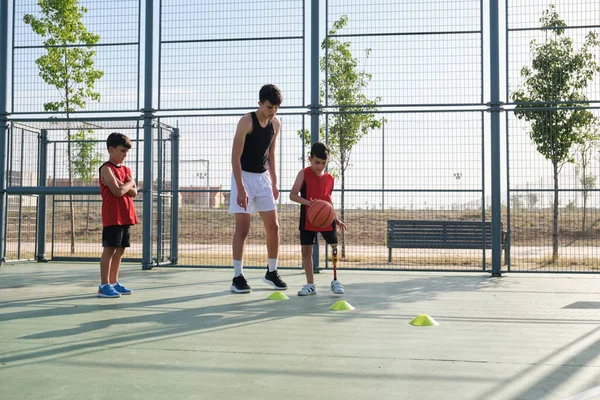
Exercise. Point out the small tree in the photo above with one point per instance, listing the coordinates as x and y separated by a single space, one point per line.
583 159
532 199
86 162
345 84
68 65
556 80
516 201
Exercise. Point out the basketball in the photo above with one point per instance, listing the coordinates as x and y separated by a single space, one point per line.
321 214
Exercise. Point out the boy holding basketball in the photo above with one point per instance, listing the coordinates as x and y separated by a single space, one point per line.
314 183
117 189
254 185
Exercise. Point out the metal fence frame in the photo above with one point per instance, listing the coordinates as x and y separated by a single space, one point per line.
151 46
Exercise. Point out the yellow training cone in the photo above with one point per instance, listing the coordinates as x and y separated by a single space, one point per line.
278 296
341 305
423 320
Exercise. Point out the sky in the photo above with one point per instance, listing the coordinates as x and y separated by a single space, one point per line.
214 56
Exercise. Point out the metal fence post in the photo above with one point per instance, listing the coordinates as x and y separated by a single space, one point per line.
175 195
314 92
148 138
42 200
3 122
160 226
495 109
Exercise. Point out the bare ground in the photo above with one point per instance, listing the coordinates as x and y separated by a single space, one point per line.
205 236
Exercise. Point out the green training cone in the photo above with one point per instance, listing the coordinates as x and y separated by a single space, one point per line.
423 320
341 305
278 296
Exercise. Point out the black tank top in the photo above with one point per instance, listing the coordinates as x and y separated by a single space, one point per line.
256 147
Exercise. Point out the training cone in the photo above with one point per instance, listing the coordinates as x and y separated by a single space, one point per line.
341 305
423 320
277 296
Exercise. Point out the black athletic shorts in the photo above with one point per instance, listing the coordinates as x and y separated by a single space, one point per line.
310 237
115 236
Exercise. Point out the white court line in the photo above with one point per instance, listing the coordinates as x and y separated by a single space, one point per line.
585 395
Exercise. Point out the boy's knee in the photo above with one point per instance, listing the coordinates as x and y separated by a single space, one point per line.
109 250
242 232
307 251
272 227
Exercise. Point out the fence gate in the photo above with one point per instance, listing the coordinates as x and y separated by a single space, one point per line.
71 223
21 210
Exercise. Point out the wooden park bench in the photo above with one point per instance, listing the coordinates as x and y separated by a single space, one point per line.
427 234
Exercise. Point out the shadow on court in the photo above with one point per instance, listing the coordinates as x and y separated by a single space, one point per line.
513 337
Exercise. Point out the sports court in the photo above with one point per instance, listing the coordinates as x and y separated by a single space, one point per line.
435 118
183 335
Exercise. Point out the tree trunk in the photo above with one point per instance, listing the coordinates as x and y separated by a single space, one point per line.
87 218
585 192
555 215
585 197
69 156
342 211
342 170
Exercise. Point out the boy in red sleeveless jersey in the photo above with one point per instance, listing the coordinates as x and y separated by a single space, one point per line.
117 189
314 183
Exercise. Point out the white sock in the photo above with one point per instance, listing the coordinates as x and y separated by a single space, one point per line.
104 285
272 263
238 269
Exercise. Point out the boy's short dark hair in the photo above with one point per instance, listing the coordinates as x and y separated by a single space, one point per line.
270 93
116 139
320 150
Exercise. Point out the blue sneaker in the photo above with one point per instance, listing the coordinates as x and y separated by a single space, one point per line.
107 291
122 289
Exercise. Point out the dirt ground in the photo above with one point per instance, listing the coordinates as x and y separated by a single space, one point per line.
365 227
212 230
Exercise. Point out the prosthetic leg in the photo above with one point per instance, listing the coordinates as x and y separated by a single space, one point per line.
336 286
334 260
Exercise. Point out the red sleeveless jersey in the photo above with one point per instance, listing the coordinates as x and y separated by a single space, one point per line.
117 210
315 187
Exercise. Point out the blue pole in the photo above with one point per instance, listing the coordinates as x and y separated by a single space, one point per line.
3 122
148 139
42 202
175 193
495 109
314 92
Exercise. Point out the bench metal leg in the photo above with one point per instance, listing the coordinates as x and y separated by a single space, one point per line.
389 255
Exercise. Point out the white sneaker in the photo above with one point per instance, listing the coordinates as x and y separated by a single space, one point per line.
307 290
336 287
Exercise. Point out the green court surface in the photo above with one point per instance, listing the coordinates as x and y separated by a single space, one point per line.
183 335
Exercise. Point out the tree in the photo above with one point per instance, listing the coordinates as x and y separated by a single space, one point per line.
68 65
532 199
344 85
583 159
516 201
86 162
556 81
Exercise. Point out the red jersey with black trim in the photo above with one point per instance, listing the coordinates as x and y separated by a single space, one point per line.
315 187
117 210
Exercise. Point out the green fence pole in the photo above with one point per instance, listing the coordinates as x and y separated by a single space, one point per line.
42 200
3 122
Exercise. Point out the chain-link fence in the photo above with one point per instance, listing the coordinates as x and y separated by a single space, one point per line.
552 199
426 156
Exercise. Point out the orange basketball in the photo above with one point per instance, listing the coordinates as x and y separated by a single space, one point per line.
321 214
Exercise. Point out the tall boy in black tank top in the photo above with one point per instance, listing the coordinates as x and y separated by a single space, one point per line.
254 185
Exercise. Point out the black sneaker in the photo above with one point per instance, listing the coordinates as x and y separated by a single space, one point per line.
273 279
240 285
